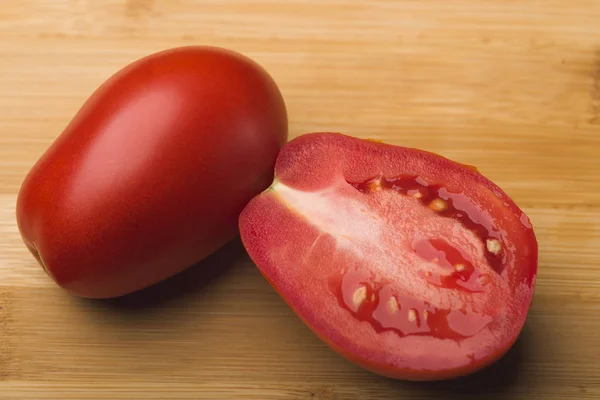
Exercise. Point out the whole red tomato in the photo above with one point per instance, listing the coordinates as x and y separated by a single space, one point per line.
151 174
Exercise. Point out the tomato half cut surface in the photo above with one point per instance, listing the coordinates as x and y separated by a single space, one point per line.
406 263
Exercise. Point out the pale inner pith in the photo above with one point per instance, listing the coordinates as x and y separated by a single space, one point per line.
345 218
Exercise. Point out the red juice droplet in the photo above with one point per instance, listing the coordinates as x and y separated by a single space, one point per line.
525 221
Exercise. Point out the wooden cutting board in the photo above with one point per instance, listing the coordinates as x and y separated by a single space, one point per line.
512 86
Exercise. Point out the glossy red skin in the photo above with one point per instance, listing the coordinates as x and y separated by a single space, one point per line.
277 240
151 174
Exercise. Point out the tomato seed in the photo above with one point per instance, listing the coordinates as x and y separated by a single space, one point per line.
438 205
493 246
416 193
359 296
412 315
392 305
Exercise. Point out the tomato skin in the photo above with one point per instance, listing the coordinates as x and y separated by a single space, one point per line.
151 174
318 222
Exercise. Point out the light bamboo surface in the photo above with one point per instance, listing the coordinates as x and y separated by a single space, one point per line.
512 86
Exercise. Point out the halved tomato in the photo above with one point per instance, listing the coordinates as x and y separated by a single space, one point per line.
405 262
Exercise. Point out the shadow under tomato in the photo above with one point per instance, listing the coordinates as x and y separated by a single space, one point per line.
496 379
191 280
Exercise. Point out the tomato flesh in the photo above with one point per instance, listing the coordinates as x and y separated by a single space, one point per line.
407 263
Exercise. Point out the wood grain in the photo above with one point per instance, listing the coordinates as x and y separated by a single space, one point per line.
512 86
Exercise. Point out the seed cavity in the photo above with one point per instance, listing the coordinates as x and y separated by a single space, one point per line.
387 313
493 246
438 205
